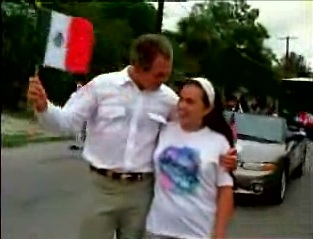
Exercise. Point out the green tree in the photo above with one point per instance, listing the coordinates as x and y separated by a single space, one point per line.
114 31
224 42
116 24
17 51
294 65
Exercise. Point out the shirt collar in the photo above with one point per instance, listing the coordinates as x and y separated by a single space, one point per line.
125 78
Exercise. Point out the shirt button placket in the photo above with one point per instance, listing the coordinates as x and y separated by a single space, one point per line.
130 147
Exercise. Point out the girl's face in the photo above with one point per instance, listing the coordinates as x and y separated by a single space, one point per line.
191 108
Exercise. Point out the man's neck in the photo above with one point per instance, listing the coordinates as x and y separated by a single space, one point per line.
134 78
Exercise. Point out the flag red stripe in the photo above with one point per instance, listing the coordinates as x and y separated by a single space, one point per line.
79 45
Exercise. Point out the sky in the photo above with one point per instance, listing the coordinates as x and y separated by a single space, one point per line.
281 18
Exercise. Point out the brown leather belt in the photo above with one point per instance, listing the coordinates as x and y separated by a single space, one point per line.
130 177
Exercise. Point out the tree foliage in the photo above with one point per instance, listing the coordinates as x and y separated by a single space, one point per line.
222 40
116 24
294 66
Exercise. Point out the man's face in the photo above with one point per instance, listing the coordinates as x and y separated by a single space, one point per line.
158 74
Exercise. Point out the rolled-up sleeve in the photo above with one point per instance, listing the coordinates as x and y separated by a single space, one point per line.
70 119
223 177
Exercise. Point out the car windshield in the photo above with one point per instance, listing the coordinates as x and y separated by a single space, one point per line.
259 128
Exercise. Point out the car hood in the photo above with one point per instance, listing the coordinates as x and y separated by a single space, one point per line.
251 151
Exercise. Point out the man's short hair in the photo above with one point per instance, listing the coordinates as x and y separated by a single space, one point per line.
147 47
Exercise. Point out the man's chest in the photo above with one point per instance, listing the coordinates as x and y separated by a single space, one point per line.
124 106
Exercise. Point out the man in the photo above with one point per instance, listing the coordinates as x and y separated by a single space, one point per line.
124 111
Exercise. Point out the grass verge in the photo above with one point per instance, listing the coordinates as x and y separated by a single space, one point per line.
21 114
18 140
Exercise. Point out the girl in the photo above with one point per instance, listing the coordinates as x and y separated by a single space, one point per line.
193 193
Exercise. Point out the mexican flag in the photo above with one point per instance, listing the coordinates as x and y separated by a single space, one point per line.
68 41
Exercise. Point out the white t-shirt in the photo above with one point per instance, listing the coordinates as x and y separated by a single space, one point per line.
188 175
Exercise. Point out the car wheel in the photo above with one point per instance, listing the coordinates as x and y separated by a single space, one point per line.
300 169
280 191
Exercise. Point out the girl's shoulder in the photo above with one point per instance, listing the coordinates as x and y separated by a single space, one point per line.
219 140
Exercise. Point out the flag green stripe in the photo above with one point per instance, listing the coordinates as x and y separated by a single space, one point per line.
43 25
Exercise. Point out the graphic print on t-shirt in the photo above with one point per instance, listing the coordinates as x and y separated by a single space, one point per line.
179 169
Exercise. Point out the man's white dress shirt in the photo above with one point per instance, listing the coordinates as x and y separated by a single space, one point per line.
123 122
79 136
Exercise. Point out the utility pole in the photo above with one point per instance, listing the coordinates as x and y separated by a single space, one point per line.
286 65
159 19
287 39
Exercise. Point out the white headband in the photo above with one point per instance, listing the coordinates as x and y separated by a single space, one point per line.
207 87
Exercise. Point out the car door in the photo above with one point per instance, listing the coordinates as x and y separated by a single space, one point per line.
295 153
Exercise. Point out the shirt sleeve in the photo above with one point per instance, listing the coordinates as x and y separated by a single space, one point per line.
223 177
70 119
69 101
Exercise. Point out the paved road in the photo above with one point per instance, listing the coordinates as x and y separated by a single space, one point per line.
44 190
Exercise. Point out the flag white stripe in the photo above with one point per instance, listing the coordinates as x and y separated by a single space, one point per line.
55 56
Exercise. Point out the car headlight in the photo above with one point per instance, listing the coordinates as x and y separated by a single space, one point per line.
259 166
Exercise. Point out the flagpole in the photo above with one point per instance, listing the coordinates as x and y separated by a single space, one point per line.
36 5
37 68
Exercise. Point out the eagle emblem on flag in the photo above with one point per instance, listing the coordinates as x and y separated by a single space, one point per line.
58 40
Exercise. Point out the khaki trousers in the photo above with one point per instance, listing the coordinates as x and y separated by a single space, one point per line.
117 207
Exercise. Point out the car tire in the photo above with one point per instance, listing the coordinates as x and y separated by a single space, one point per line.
280 190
